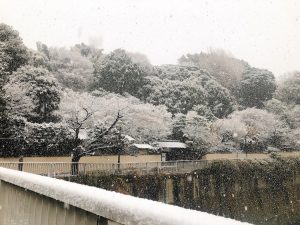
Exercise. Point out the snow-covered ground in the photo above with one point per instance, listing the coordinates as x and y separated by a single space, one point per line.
118 207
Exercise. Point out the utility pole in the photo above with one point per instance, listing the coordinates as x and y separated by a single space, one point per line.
119 146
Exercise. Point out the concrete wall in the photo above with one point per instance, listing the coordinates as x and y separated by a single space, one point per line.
99 159
10 159
47 159
290 154
219 156
140 158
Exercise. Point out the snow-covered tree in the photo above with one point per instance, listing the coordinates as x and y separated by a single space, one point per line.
289 88
293 116
255 87
47 139
15 144
292 139
142 121
197 127
38 59
251 123
219 100
142 61
71 67
116 72
13 54
146 122
106 139
88 51
181 88
179 97
276 106
178 125
33 93
77 110
226 69
204 111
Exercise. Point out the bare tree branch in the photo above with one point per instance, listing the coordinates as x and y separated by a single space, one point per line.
119 116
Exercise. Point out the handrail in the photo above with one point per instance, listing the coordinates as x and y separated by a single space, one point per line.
117 207
173 161
55 169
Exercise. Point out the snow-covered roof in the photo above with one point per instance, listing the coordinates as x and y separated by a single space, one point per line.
272 149
171 144
129 138
117 207
143 146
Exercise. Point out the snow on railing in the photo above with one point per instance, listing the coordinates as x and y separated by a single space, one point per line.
117 207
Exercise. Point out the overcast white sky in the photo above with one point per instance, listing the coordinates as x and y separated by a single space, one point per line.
264 33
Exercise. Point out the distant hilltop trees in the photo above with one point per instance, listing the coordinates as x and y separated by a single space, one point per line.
208 97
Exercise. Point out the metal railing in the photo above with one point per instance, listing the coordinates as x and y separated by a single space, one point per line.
55 169
63 169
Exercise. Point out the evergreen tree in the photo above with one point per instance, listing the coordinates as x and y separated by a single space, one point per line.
116 72
13 54
33 93
256 87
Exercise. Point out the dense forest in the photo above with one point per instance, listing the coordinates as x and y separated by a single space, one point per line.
50 96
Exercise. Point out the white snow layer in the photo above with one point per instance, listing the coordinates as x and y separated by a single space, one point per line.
118 207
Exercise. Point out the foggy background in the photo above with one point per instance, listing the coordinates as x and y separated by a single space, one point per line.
264 33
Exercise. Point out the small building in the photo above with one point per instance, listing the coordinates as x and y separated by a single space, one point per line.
142 149
173 150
